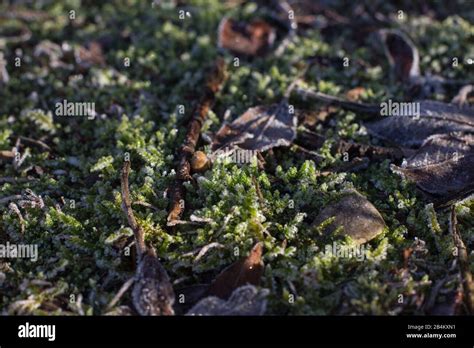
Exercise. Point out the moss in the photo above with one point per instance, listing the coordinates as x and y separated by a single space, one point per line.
82 245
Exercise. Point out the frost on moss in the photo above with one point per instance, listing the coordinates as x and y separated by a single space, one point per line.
82 235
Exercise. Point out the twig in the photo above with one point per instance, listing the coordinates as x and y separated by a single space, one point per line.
38 143
14 208
8 199
7 155
466 275
463 94
127 208
206 248
120 293
213 84
345 104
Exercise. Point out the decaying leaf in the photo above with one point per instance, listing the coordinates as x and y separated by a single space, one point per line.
89 55
443 167
247 270
413 129
358 218
439 148
402 55
247 39
260 128
152 293
246 300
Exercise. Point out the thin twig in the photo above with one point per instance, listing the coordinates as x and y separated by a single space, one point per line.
120 293
213 84
463 258
38 143
127 208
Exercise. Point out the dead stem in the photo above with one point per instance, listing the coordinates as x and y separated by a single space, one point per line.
183 172
127 208
466 275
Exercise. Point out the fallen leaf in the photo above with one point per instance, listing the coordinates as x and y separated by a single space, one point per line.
439 148
260 128
89 55
358 218
443 167
247 270
152 293
246 300
248 39
434 118
402 55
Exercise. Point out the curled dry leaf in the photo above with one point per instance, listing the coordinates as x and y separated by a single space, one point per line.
413 129
443 167
247 270
260 128
152 293
402 55
247 39
358 218
246 300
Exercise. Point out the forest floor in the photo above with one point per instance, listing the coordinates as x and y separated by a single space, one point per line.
144 67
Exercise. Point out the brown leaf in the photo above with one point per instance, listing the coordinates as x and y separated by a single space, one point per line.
90 55
246 300
358 218
152 293
434 118
443 167
402 55
260 128
248 270
247 39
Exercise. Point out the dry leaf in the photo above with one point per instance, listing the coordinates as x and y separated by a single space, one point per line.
260 128
152 293
434 118
248 270
443 167
402 55
246 300
89 55
358 218
252 39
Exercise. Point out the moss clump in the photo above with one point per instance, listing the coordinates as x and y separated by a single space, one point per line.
81 233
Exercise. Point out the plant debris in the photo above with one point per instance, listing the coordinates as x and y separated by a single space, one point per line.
466 275
246 300
252 39
248 270
357 217
213 84
259 129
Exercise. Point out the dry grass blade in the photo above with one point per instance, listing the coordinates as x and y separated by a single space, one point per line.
127 208
463 258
